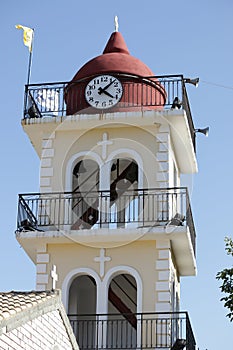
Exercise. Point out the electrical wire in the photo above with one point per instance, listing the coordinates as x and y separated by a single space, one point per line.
218 85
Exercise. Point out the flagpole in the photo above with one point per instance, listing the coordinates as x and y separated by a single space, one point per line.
30 59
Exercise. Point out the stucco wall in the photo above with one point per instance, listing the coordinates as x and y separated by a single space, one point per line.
151 261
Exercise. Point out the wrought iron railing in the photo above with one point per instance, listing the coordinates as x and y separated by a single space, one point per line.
48 99
100 209
149 331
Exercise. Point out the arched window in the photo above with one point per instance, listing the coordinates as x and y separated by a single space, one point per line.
85 197
82 310
122 308
123 191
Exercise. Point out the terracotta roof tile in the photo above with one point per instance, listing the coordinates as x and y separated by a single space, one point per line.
14 302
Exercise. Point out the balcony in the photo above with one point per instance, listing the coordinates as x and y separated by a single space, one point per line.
140 93
134 331
122 209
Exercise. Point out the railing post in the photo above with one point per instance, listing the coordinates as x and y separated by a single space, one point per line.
25 101
97 333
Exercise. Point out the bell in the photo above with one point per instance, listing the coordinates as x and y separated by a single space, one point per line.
79 169
132 174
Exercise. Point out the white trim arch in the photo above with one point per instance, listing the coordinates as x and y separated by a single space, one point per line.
106 282
72 162
70 278
123 269
130 153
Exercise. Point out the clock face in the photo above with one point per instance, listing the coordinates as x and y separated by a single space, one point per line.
103 91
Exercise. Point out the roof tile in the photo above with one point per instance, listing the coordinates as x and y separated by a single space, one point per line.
14 302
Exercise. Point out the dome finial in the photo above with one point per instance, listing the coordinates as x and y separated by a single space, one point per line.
116 24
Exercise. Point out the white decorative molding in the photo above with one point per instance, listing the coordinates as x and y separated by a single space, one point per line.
45 181
46 162
46 189
47 143
102 259
163 275
162 176
164 254
164 297
162 286
164 270
49 136
42 258
102 286
79 272
162 265
41 248
41 268
122 270
40 287
162 307
162 156
46 168
106 282
48 153
162 136
104 143
42 279
46 172
73 161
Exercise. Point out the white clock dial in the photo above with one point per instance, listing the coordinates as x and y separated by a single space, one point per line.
103 91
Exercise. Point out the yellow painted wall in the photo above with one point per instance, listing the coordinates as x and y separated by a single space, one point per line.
141 255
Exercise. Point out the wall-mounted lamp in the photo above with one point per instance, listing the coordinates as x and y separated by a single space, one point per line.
204 131
179 344
176 104
194 81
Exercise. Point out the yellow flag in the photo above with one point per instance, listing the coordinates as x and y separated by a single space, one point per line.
27 36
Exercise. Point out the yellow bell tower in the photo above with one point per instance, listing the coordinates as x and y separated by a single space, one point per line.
112 214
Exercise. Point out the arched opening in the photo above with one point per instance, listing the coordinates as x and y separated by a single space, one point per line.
122 309
82 310
123 191
85 197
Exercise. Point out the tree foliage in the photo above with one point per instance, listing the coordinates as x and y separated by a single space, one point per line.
226 276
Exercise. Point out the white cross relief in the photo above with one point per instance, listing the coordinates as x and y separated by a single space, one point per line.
104 143
54 276
102 259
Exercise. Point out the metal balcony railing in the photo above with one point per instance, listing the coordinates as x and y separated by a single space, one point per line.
100 209
48 99
150 331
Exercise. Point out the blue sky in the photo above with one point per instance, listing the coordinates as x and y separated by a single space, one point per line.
193 38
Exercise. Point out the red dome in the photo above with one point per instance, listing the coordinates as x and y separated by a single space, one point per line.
115 59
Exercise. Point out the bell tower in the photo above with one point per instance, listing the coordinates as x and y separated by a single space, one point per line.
111 213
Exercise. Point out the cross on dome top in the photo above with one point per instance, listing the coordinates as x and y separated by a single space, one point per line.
116 24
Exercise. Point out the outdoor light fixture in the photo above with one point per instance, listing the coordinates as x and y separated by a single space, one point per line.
176 104
204 131
179 344
33 112
26 225
177 220
192 81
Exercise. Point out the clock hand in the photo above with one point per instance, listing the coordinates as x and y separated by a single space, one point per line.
107 86
100 91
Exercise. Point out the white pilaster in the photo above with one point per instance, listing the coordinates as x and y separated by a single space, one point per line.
163 284
42 260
